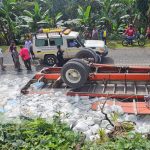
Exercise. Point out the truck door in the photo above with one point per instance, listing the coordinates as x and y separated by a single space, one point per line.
40 47
58 41
73 46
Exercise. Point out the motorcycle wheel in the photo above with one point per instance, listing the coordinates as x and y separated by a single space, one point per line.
125 43
141 42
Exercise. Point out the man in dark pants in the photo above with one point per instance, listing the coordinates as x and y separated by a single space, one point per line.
15 55
24 53
60 56
31 51
12 48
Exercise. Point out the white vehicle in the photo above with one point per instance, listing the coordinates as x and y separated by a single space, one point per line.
45 45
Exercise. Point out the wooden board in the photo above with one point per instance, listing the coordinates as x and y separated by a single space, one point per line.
128 107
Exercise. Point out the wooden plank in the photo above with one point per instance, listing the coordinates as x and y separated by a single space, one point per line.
127 107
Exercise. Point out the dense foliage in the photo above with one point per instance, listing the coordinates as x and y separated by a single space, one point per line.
39 134
129 142
20 16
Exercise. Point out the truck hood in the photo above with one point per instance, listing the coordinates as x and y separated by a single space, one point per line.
94 43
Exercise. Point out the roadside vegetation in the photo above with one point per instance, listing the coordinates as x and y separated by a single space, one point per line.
19 18
54 135
112 44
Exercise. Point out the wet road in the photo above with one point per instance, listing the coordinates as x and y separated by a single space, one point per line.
128 56
122 56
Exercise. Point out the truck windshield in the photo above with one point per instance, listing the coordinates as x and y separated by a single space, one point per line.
81 39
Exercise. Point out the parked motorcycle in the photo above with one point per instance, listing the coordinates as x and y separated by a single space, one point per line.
139 39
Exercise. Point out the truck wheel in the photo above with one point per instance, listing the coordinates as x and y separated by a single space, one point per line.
50 60
104 54
74 74
82 62
99 58
87 53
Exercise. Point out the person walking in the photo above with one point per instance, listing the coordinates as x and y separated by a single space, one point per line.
1 60
24 53
60 56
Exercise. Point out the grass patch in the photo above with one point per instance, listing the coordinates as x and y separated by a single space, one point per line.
111 44
118 44
5 48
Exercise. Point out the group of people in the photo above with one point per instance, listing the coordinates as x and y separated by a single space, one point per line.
96 34
26 53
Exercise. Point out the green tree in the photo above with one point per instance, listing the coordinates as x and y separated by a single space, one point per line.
7 24
84 15
35 16
143 7
11 24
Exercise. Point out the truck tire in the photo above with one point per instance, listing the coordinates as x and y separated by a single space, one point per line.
50 60
104 54
82 62
87 53
99 58
74 74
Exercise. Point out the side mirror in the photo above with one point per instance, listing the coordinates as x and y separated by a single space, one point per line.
77 45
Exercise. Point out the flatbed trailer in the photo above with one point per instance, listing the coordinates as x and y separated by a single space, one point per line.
130 84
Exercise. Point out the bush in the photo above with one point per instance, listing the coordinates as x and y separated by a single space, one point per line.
132 141
115 36
38 134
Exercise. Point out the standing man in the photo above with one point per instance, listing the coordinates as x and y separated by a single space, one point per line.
27 43
15 55
148 32
12 48
60 56
104 34
24 53
31 51
1 60
95 34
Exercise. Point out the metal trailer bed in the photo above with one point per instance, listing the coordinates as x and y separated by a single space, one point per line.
128 83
